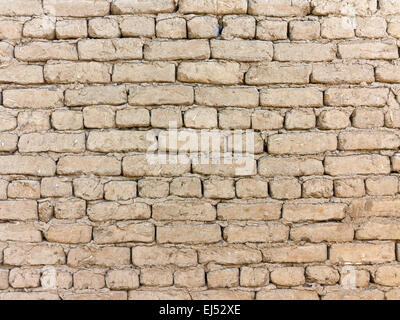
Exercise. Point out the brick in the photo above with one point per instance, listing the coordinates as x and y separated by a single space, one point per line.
224 73
388 276
364 29
349 188
71 29
38 28
288 277
287 294
122 279
85 279
300 120
19 232
254 277
103 28
156 277
173 28
33 121
266 120
332 232
238 27
388 7
291 97
241 50
11 29
186 187
67 120
161 95
277 73
105 211
177 50
249 188
285 189
342 73
143 72
33 98
120 190
318 188
135 7
304 30
69 233
27 254
163 256
111 295
120 141
99 117
104 256
134 26
355 7
338 28
368 140
393 29
387 73
368 118
356 97
222 294
202 27
70 209
166 118
357 164
4 279
271 232
368 50
54 142
184 211
213 7
138 166
333 120
124 232
24 189
8 142
322 274
382 186
182 233
297 52
229 255
72 165
153 188
132 117
216 188
20 8
300 254
27 165
8 122
238 166
251 211
22 74
227 97
110 49
374 207
301 143
88 188
225 278
362 253
82 72
271 30
279 8
55 187
354 295
112 95
85 8
193 277
378 230
43 51
296 166
24 278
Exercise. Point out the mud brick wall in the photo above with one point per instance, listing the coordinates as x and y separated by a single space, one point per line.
199 149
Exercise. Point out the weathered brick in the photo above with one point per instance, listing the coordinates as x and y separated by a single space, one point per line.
250 211
19 232
312 52
105 211
213 6
300 254
28 254
279 8
342 73
375 207
332 232
368 50
353 7
110 49
112 95
69 233
271 232
356 97
143 72
277 73
368 140
242 50
227 97
186 233
22 74
362 253
296 166
104 256
382 229
54 142
134 7
139 166
182 210
177 50
27 165
124 232
223 73
292 97
162 256
229 255
357 164
43 51
160 95
84 8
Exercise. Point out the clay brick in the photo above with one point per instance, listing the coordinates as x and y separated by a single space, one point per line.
382 186
332 232
355 7
224 73
213 7
162 256
272 30
133 7
356 97
296 166
143 72
322 274
105 211
110 49
69 233
378 229
160 95
29 165
271 232
388 276
227 97
104 256
277 73
54 142
362 253
138 166
124 232
242 50
342 73
279 8
203 27
22 74
19 232
112 95
43 51
312 52
358 164
301 212
70 209
368 50
122 279
188 278
292 97
26 254
83 8
71 29
225 278
20 8
300 254
349 188
182 210
132 26
103 28
182 233
173 28
288 277
238 27
177 50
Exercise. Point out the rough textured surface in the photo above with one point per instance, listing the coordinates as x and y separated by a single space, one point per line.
186 149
